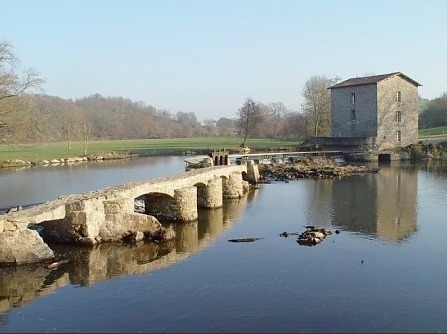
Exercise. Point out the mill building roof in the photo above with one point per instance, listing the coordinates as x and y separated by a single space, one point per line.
374 79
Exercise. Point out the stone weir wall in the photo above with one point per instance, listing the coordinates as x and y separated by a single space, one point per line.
109 215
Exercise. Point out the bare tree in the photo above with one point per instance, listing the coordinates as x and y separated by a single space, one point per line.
13 86
86 127
71 119
210 128
317 104
248 118
294 125
277 112
226 127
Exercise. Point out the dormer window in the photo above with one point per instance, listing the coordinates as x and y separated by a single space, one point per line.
352 98
398 96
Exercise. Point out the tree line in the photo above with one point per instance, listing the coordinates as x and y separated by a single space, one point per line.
433 113
44 118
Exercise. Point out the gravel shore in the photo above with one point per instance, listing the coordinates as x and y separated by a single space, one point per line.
310 168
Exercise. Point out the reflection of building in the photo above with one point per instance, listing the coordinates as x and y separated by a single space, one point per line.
382 204
397 204
354 202
319 204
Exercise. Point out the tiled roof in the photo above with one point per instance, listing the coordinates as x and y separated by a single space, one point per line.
372 80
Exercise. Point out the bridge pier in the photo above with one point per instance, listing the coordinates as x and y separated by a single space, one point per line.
234 186
210 196
252 175
186 199
85 217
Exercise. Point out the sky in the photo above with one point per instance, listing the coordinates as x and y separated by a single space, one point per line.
208 56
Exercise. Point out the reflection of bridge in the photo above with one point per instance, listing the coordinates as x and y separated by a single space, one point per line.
109 214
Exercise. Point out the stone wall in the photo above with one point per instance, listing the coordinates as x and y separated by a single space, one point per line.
345 144
387 106
344 123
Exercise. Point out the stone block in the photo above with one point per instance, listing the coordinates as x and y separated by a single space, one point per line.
23 246
117 206
77 206
9 226
77 218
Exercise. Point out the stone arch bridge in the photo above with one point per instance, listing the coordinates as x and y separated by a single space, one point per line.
109 214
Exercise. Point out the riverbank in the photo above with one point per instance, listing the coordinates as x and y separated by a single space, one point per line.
58 153
17 163
425 150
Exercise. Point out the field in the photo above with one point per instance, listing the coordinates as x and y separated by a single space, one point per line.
46 151
433 132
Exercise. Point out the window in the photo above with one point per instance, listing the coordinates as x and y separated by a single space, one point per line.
352 98
398 96
398 116
353 115
398 136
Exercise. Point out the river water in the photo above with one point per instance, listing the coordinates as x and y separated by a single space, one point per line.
385 271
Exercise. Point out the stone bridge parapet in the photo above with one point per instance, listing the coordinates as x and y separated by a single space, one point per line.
109 214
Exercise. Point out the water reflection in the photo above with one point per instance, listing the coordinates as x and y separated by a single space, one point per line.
20 285
436 167
382 205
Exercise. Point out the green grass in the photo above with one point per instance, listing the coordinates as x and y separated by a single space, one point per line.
433 132
46 151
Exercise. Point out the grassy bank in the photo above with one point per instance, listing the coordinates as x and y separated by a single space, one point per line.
143 147
433 132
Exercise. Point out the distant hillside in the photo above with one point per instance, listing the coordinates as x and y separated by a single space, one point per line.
44 118
433 113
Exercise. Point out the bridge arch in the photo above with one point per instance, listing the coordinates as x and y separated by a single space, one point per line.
158 204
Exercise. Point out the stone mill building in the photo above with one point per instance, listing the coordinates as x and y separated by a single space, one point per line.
377 112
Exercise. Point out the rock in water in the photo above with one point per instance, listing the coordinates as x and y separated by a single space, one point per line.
245 240
23 246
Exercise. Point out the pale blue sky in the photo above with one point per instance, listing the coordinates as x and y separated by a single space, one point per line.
207 56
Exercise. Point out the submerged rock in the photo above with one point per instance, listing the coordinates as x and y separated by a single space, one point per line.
245 240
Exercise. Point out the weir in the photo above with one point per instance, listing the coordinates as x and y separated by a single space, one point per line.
109 214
